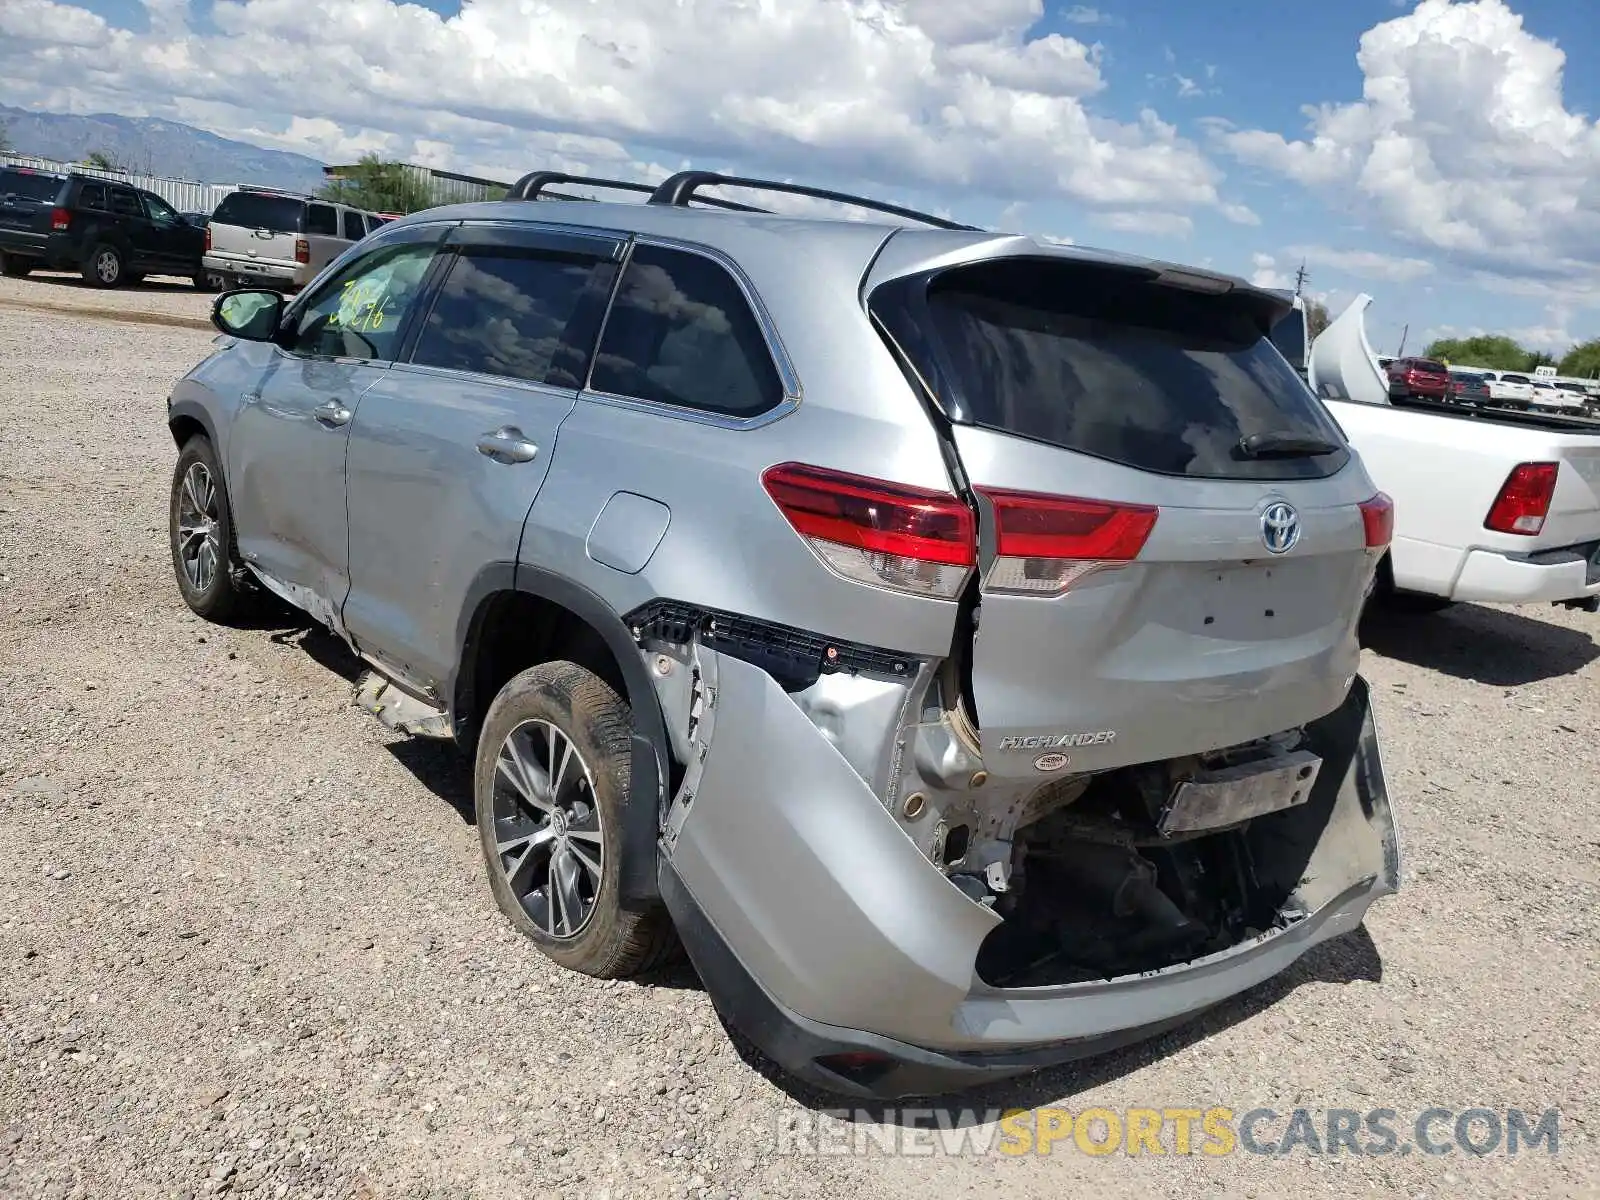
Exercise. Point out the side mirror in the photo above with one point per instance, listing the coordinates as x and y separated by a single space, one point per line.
253 316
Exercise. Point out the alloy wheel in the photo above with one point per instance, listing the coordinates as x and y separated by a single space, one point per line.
548 833
107 266
199 544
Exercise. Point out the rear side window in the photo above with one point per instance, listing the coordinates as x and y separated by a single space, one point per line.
1111 364
253 210
322 219
26 185
681 333
353 228
93 197
125 203
522 315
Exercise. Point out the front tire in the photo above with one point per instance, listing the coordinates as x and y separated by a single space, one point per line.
200 528
551 791
104 267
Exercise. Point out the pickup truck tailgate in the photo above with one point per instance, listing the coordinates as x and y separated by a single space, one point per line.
1574 515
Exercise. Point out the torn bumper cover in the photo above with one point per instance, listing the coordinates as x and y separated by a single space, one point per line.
827 937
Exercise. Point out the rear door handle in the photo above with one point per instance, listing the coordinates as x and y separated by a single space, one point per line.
508 445
332 414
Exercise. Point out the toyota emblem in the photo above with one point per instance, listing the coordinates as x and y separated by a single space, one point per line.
1280 528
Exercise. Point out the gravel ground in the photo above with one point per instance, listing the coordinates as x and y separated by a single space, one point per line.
248 947
158 300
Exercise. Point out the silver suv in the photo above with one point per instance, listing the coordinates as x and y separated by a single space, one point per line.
262 236
949 637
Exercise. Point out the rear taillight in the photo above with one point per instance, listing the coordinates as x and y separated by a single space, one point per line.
208 239
302 250
884 534
1044 544
60 218
1377 517
1524 500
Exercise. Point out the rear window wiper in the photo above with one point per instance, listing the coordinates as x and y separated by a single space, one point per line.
1285 445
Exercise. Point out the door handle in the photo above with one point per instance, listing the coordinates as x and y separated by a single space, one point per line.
332 414
508 445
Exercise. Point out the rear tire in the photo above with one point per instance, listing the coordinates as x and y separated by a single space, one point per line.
551 791
200 528
14 266
105 266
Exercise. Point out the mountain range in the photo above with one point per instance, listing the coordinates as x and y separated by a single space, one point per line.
157 147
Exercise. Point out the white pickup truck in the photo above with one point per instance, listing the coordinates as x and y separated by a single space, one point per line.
1491 505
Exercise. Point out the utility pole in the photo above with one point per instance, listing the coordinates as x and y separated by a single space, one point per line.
1403 334
1301 278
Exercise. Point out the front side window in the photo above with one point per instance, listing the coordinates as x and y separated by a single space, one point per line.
523 315
359 312
682 333
160 211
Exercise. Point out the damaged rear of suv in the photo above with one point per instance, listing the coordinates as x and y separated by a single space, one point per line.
952 637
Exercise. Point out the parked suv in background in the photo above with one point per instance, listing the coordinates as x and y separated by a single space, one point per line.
951 637
111 232
279 239
1422 378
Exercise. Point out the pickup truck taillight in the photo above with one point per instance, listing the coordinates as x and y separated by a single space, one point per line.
1524 499
208 239
1377 517
60 218
302 250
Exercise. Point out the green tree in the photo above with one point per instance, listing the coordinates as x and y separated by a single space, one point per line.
1317 319
379 186
1582 361
1540 358
1494 351
101 160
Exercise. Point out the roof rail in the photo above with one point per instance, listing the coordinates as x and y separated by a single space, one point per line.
531 187
680 189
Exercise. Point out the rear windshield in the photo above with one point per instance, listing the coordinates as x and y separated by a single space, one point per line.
1109 363
280 214
26 185
1513 379
1426 364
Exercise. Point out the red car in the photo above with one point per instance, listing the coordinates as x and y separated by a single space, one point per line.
1422 377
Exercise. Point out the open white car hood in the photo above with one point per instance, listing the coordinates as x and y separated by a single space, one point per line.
1342 365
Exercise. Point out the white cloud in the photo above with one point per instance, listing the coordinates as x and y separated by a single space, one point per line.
1083 14
922 95
1265 273
1363 264
1461 144
1240 214
1156 224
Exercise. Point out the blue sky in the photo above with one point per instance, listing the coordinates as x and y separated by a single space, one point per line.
1165 127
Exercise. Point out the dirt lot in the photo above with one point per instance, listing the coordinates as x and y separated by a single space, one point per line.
248 948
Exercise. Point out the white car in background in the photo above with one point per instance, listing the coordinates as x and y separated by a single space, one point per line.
1551 398
1509 388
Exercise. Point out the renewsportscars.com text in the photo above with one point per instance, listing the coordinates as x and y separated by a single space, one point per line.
1215 1132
